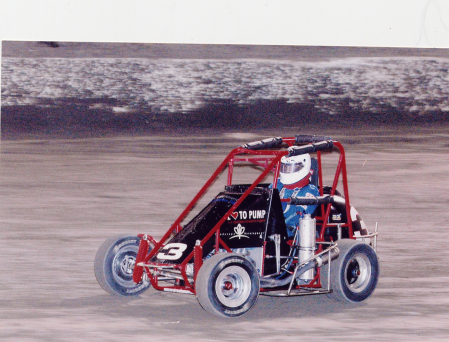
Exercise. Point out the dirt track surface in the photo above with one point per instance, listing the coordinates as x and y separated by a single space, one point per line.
60 199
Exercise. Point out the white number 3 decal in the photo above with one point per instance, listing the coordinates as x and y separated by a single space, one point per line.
173 251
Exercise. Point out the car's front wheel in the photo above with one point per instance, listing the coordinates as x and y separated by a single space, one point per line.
114 266
227 285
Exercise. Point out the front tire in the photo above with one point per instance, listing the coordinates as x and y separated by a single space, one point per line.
227 285
114 266
354 274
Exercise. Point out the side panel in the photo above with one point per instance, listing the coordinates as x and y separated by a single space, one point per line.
258 218
182 244
246 226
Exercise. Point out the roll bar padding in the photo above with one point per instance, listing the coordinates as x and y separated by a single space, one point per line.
263 144
326 145
319 143
326 199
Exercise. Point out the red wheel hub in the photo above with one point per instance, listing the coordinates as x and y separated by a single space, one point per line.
227 285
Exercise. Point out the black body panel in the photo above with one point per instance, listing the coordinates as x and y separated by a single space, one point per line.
258 217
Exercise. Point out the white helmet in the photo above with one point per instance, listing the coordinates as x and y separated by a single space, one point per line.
294 169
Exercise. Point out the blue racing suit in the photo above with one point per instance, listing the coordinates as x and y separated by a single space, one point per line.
293 213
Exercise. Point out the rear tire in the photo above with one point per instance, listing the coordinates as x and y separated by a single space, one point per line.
227 285
114 266
354 274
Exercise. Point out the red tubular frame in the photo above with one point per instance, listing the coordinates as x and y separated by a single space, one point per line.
270 161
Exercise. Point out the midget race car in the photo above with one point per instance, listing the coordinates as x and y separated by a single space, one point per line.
237 247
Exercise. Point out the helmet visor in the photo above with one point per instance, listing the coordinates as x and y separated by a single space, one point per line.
291 168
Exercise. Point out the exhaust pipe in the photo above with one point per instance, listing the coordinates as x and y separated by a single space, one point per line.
318 261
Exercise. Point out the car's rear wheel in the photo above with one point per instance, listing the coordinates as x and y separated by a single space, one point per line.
354 274
227 285
114 266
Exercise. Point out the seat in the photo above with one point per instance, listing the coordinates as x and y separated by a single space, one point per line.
314 168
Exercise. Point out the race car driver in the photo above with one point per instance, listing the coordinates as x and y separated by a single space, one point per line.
294 181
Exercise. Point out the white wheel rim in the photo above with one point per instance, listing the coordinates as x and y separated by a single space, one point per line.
358 272
123 266
233 286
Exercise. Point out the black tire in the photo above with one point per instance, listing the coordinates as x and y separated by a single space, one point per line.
114 265
354 274
227 285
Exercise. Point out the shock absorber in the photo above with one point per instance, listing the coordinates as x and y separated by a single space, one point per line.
307 243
